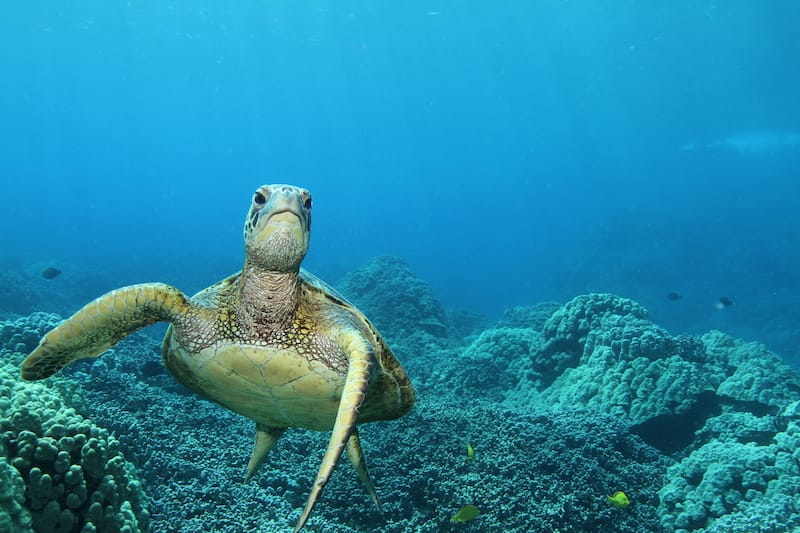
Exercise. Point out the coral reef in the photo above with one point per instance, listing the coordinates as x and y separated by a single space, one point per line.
542 468
465 326
399 304
13 515
22 335
712 402
753 374
484 365
743 463
563 405
731 483
70 474
529 316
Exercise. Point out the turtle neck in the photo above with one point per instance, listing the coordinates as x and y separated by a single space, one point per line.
268 299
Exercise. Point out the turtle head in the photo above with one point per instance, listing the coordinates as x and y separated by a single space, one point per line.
277 228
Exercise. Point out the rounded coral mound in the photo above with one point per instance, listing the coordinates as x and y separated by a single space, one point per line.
484 365
22 335
13 515
399 304
60 472
728 485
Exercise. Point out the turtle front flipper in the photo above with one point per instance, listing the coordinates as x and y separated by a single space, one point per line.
361 359
102 323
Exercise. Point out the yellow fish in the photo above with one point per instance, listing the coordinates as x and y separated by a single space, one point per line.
465 514
619 500
470 452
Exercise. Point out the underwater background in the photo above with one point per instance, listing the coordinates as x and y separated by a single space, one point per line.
563 215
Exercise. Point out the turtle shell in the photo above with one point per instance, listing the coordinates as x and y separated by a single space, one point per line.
289 377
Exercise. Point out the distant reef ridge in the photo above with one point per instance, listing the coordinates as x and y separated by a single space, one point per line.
562 405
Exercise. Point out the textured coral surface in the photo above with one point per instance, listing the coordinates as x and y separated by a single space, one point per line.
60 471
562 404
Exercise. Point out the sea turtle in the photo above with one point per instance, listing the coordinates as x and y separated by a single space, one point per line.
271 342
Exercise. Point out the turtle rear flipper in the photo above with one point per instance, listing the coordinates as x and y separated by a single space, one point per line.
266 437
356 456
102 323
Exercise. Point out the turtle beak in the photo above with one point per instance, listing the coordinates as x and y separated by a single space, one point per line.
288 221
283 211
278 226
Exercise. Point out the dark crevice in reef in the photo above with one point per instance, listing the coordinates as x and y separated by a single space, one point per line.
573 347
757 408
675 432
672 433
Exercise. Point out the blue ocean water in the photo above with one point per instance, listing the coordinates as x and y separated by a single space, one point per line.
510 151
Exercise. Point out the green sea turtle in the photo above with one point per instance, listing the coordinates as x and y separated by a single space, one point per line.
271 342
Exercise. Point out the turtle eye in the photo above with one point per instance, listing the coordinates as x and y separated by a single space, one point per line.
307 203
260 199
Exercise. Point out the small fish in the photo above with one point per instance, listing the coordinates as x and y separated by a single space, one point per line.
619 500
465 514
674 296
470 452
50 273
724 301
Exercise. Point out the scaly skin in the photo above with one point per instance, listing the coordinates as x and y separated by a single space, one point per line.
272 342
104 322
